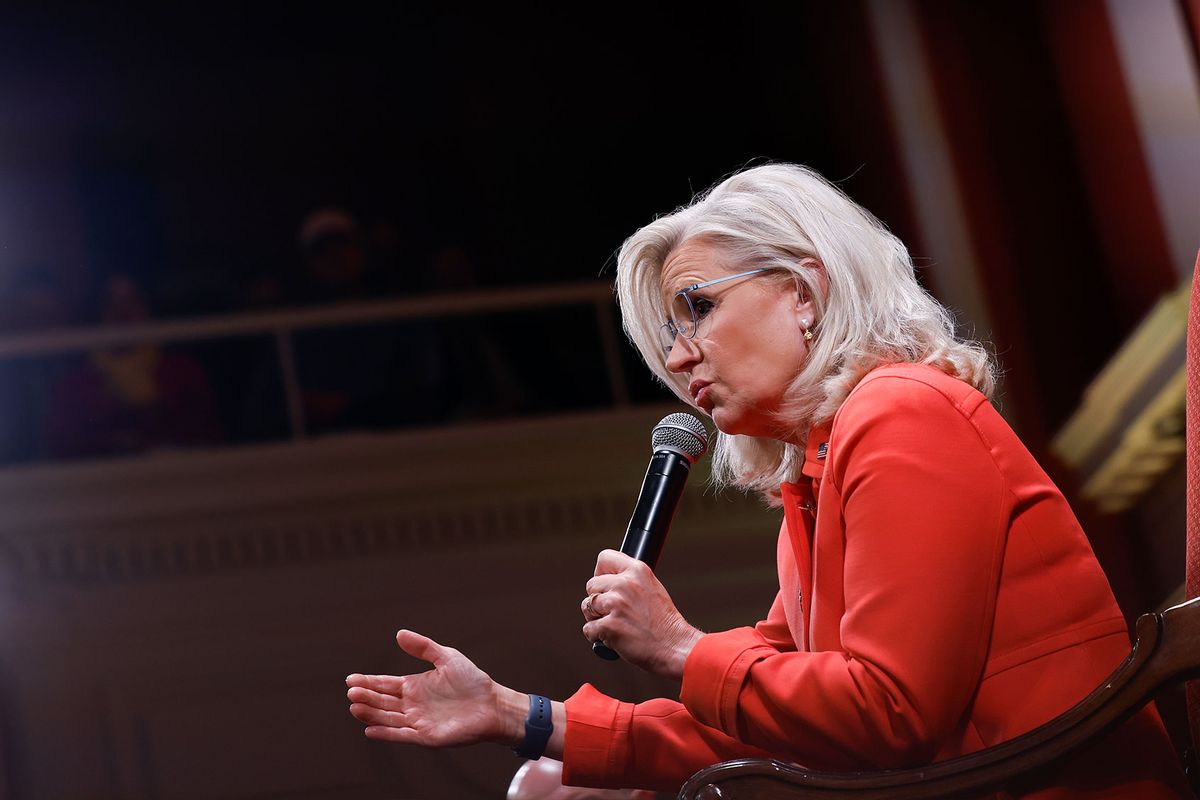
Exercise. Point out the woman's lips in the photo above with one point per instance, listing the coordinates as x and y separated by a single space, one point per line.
700 394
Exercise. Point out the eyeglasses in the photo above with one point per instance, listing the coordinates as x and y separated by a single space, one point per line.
686 312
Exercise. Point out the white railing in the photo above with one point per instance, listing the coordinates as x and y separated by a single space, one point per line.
284 323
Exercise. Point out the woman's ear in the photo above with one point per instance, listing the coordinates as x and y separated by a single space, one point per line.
805 302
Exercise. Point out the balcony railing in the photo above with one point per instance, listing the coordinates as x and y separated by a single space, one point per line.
583 312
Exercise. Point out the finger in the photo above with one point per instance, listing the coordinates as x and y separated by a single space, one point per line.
602 583
384 733
592 608
614 603
376 716
388 702
384 684
595 631
422 647
603 604
612 561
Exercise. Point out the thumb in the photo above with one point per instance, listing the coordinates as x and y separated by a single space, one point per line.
422 647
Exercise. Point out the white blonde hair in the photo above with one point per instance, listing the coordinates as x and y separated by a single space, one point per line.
870 309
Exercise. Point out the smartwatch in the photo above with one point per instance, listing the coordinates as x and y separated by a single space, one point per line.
538 727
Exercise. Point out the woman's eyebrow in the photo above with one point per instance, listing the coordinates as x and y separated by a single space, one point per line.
666 295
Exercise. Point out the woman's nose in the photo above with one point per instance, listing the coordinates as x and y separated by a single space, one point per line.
684 354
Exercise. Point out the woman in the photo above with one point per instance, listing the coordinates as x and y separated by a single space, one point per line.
130 398
936 597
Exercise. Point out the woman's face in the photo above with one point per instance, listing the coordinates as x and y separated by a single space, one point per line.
748 347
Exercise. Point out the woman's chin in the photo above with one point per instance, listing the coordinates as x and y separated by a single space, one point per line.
735 424
727 423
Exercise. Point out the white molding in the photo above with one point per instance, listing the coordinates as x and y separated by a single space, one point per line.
336 498
155 671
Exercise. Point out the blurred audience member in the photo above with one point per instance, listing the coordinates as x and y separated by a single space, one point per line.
369 377
481 378
130 398
334 257
360 376
388 251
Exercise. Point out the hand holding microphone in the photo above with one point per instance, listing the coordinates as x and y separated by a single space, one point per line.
631 610
626 604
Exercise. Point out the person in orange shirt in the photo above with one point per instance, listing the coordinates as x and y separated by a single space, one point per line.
937 595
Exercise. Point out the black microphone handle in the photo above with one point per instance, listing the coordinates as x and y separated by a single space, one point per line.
605 652
647 531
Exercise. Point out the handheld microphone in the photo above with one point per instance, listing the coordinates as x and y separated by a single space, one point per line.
678 441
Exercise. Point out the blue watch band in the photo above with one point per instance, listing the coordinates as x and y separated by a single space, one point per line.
538 727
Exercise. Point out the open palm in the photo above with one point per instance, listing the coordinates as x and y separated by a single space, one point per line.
452 704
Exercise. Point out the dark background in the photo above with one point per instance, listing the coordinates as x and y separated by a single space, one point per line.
186 146
479 150
195 142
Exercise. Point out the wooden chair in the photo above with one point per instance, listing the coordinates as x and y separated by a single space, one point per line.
1166 650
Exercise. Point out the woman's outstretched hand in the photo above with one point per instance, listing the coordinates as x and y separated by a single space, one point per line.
629 610
455 703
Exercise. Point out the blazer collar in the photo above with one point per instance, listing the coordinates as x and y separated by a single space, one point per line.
817 451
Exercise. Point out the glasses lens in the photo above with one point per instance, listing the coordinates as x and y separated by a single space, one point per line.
682 316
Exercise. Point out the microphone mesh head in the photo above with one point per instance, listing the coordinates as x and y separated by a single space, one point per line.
682 434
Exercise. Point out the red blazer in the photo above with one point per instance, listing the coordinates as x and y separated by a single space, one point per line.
937 596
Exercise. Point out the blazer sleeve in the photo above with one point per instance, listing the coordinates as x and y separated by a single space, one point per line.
657 744
924 511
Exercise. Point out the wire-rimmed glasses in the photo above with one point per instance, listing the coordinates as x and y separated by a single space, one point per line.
685 312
